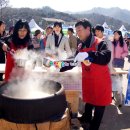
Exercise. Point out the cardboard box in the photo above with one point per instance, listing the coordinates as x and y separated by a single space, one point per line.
72 96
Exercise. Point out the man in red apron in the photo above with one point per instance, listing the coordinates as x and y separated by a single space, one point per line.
96 81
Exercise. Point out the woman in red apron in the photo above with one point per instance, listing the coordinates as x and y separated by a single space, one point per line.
96 81
19 40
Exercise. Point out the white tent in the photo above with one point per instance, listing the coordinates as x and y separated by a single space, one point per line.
33 26
107 30
123 30
105 25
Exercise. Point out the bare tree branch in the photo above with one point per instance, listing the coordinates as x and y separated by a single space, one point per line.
3 3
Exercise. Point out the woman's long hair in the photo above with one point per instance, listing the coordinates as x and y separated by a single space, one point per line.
3 33
15 38
60 25
121 40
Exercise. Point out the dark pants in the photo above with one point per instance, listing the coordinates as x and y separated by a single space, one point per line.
118 63
1 76
96 119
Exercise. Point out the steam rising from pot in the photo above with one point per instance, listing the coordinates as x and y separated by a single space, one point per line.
27 84
24 83
31 87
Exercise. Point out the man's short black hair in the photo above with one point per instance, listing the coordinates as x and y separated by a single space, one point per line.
71 30
85 23
99 27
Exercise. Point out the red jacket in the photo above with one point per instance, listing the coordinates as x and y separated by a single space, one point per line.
96 81
10 63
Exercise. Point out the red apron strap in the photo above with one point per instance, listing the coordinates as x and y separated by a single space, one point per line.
93 47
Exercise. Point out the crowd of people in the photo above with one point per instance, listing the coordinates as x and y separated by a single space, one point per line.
97 77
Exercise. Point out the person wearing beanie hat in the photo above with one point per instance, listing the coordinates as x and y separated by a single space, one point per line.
57 45
37 41
37 32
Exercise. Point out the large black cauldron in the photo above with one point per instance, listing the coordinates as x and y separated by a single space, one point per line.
34 110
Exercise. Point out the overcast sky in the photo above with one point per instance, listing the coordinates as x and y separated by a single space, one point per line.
71 5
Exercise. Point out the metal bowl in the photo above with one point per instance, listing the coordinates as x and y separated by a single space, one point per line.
24 63
20 62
